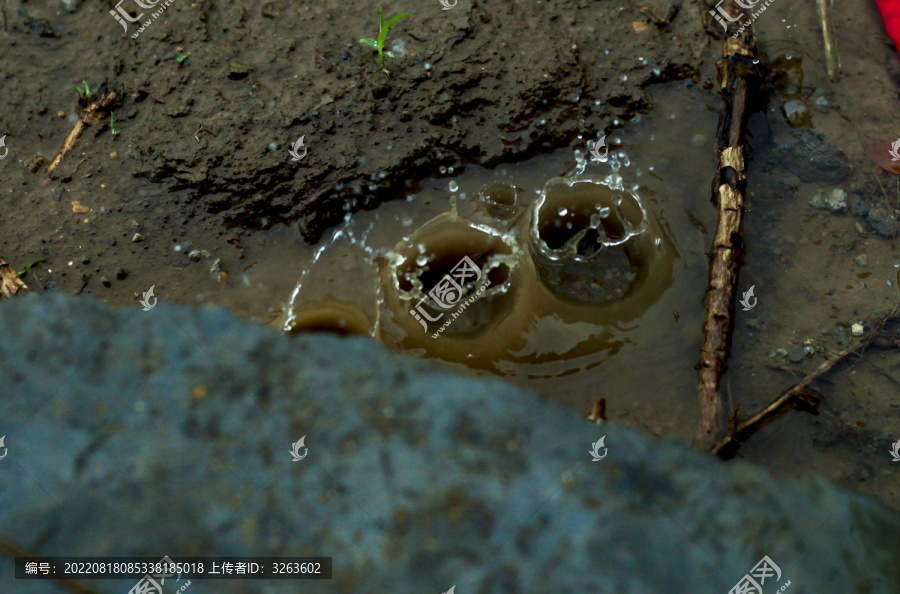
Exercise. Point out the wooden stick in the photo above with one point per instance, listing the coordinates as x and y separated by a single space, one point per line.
739 79
90 114
10 283
798 397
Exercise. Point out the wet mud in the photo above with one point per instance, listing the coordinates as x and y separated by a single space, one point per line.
196 193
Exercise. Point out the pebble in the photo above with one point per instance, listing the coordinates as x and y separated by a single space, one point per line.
857 329
105 281
121 274
195 255
85 260
782 352
862 260
835 201
796 355
137 238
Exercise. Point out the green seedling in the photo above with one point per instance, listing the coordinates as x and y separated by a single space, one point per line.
180 59
25 270
85 91
382 35
113 129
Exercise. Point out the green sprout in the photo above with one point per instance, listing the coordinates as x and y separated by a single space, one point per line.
85 91
180 59
112 125
25 270
382 35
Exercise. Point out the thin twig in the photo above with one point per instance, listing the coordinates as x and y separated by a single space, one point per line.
799 396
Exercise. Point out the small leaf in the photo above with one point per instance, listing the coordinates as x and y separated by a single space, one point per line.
396 18
389 54
382 35
370 42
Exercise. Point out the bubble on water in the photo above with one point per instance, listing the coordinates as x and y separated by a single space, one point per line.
449 170
462 195
406 221
453 186
421 248
563 212
410 197
422 260
442 169
603 211
756 60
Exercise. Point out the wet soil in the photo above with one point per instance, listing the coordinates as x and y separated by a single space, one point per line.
211 96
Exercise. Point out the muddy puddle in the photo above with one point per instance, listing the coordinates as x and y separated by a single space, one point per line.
556 307
581 278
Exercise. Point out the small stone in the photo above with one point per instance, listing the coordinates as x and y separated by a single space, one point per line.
857 329
105 281
60 114
85 260
137 238
862 260
797 114
238 70
216 266
34 162
121 274
883 222
796 355
782 352
114 155
834 201
195 255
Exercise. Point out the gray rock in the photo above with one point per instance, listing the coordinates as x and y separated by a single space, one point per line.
883 222
810 157
834 201
862 260
796 355
167 432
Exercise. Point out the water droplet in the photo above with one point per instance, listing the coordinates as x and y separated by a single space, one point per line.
272 146
449 170
442 169
563 212
427 66
406 221
453 186
624 77
422 260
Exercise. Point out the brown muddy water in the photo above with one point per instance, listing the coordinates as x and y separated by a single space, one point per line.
555 312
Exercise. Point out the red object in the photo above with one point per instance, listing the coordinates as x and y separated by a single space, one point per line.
890 12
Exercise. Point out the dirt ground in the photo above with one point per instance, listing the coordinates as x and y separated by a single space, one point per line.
211 95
